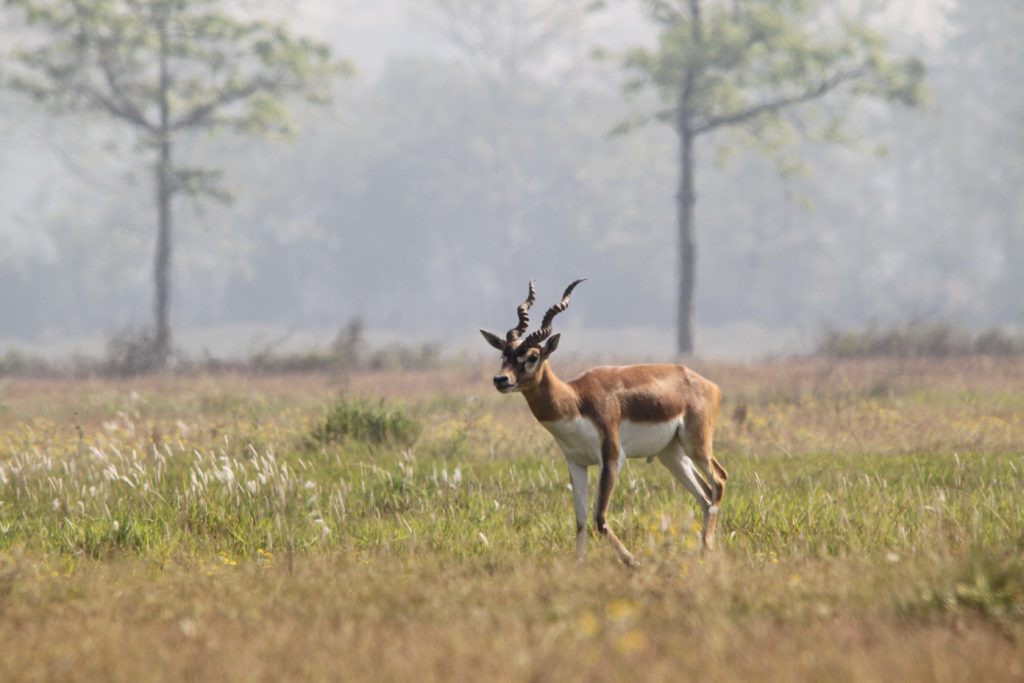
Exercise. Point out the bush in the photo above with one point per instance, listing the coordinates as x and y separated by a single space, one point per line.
299 362
989 584
425 356
996 342
16 364
993 586
349 346
938 339
367 422
350 351
132 352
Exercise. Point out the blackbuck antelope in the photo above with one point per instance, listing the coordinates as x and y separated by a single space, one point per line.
608 414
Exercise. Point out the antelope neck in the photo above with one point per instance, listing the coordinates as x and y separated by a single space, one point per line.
552 399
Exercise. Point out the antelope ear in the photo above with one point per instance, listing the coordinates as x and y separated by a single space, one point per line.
494 340
552 344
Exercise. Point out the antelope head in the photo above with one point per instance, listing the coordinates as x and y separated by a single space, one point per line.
523 357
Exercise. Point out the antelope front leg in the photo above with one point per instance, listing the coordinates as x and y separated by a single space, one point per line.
578 477
610 464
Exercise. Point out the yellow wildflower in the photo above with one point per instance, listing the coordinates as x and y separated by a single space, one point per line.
589 624
631 641
621 609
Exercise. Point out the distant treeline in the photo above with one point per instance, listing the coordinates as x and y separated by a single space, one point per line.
129 353
914 340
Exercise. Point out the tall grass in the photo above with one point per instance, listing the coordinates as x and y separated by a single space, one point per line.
364 483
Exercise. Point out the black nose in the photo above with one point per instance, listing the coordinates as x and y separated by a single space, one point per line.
501 381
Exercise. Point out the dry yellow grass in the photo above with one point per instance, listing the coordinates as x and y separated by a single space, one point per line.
435 620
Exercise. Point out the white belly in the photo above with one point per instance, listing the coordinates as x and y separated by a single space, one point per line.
644 439
581 442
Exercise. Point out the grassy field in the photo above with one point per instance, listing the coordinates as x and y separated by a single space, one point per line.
419 526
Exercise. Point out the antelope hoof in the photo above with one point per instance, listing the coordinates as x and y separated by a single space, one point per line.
707 545
631 562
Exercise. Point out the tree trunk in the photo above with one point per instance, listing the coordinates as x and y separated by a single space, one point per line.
686 198
162 262
164 194
685 201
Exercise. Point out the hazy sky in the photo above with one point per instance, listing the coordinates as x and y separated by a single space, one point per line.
372 32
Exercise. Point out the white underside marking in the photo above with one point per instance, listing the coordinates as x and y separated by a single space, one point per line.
579 440
581 443
644 439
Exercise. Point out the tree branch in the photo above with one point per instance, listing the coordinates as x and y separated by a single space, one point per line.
772 106
124 104
116 109
115 103
199 115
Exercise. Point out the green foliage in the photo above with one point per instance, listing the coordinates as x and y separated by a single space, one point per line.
988 582
107 56
991 585
755 67
373 423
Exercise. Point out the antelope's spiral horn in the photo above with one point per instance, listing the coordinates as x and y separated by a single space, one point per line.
523 311
545 327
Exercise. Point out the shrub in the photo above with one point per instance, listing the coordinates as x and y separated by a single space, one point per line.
349 346
17 364
993 586
350 351
987 583
399 356
996 342
132 352
302 361
367 422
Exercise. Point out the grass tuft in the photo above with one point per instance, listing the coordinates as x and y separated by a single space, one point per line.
362 420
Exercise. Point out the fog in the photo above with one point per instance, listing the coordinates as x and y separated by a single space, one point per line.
467 156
